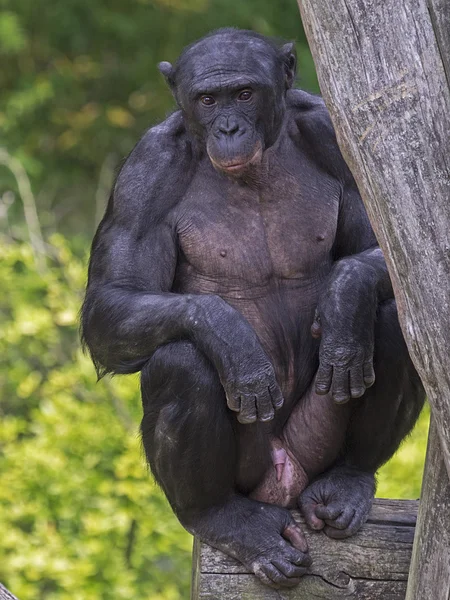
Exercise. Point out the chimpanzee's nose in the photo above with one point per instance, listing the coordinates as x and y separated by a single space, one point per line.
228 126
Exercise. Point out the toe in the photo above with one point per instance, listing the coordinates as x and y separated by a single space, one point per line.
273 577
308 509
295 535
343 520
329 512
288 569
346 527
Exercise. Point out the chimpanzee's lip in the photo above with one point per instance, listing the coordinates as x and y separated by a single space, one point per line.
236 166
239 166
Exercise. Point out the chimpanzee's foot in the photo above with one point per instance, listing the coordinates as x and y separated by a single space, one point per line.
338 501
284 480
264 538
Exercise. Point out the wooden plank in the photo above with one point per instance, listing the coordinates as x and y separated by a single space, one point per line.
383 69
430 564
373 565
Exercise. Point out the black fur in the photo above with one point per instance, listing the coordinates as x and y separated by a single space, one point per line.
233 228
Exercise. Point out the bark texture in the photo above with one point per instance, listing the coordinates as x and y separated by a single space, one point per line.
430 565
384 72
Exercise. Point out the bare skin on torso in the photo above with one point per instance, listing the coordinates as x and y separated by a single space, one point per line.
247 244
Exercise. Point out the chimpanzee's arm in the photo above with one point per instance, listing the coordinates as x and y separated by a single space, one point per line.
129 310
359 280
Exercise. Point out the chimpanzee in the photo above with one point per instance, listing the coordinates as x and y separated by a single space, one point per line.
236 268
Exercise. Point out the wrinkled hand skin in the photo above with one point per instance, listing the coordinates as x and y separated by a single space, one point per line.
251 388
338 502
346 350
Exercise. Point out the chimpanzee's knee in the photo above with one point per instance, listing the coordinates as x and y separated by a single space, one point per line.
175 368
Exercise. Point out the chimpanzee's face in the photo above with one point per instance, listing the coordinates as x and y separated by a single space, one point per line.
232 94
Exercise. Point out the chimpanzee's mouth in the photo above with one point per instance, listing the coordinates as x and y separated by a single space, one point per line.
238 167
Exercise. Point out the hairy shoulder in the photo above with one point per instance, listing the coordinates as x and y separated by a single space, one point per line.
154 176
311 128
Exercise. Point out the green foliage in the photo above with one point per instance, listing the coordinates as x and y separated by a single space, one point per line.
401 477
79 514
79 84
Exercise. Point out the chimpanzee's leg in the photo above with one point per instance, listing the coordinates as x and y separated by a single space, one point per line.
189 440
340 500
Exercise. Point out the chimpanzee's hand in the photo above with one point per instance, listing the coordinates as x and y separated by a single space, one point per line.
245 371
251 387
346 355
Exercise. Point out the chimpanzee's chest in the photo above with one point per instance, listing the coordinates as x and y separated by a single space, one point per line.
283 229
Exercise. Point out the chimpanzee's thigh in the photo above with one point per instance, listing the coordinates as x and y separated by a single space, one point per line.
186 429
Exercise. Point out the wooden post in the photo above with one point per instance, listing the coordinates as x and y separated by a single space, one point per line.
430 566
384 72
373 565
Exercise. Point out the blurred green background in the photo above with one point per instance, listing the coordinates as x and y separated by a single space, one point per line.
80 517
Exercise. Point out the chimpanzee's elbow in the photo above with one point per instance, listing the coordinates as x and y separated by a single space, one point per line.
99 338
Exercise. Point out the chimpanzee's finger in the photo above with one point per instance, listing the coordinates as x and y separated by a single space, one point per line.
324 378
233 402
276 395
264 406
247 413
369 373
357 387
340 387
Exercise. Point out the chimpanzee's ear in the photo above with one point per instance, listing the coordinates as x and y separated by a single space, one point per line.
289 56
168 71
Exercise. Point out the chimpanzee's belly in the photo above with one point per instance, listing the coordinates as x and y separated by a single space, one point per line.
280 311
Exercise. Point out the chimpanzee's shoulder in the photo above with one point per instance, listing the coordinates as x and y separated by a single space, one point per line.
310 127
154 174
309 108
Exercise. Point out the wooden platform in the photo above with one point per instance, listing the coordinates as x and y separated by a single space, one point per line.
373 565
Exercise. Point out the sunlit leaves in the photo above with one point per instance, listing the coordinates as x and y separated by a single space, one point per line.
79 513
12 36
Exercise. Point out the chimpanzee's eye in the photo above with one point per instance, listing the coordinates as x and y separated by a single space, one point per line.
245 95
207 100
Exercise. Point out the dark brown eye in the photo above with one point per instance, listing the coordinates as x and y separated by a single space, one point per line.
207 100
245 96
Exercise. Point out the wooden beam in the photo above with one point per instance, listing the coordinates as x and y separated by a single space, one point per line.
372 565
430 565
383 69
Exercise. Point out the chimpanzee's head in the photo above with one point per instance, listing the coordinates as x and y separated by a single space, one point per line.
231 87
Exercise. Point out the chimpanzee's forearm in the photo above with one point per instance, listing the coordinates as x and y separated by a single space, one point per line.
122 328
360 278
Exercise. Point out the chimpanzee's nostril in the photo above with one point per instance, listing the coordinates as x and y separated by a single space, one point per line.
229 128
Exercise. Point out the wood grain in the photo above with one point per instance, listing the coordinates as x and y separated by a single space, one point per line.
373 565
384 72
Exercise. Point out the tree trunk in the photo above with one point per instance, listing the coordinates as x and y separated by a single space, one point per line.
384 72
